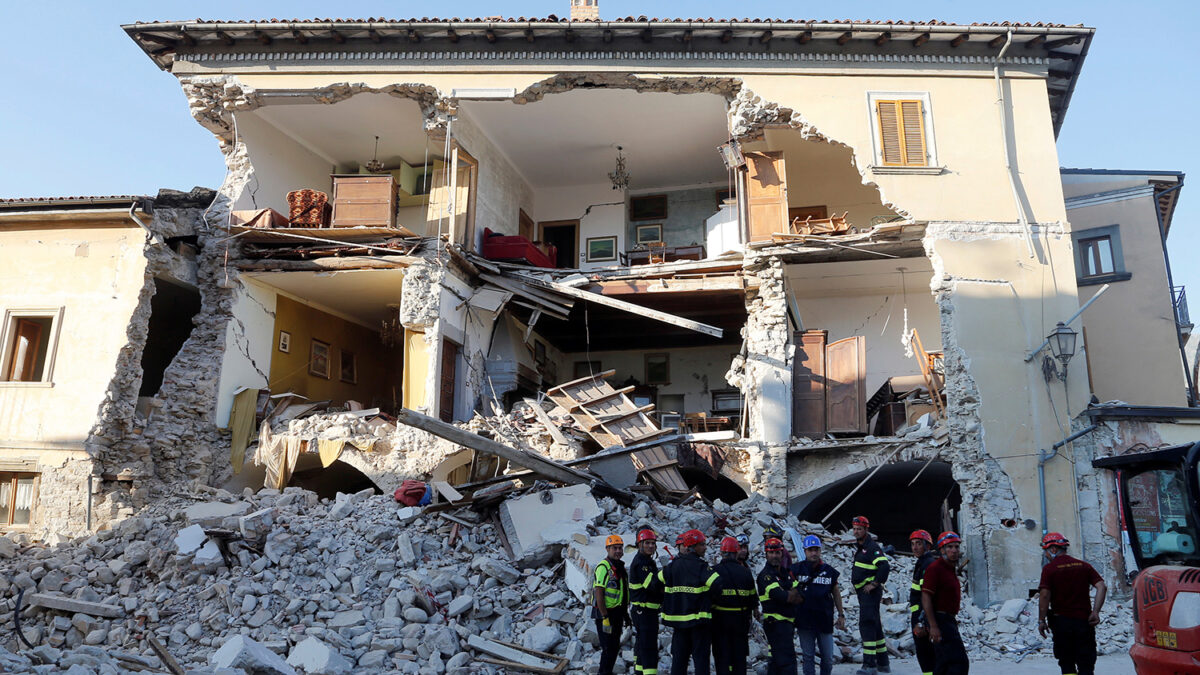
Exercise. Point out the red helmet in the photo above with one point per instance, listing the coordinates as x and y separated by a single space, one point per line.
679 540
923 535
1054 539
692 537
948 538
646 535
729 545
773 544
861 520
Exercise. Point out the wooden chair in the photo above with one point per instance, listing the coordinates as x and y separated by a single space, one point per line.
657 251
695 422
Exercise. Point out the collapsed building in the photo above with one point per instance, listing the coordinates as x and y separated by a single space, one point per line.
826 254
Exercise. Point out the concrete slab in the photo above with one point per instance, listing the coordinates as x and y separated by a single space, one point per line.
535 524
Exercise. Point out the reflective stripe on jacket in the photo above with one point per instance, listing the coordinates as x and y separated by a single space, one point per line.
688 588
644 589
870 565
918 582
736 586
773 586
614 583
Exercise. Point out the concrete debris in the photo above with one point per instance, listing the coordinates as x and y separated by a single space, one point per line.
367 593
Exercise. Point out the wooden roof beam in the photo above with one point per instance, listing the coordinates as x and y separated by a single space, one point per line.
959 40
1064 56
490 36
844 38
1065 74
687 37
225 38
607 36
337 37
647 35
263 38
452 35
158 39
571 35
299 37
997 41
413 36
374 35
529 35
883 39
1063 42
921 39
1035 42
765 37
726 36
805 37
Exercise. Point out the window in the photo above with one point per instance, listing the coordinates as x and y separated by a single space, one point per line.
16 498
1095 256
903 131
1098 256
658 369
30 337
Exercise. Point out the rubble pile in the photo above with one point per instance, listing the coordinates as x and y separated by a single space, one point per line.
272 582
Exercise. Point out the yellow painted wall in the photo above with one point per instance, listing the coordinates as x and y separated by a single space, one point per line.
416 369
379 368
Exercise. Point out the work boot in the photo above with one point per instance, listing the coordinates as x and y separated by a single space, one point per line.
866 670
883 668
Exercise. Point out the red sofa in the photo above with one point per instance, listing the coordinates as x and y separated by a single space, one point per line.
509 248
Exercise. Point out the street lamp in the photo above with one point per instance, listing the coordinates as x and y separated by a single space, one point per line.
1062 345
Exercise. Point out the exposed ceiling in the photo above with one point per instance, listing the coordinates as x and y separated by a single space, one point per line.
570 138
345 132
362 295
859 277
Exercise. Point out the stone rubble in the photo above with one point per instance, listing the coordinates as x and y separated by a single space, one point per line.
307 592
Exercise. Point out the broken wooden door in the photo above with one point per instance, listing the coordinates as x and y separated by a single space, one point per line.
808 384
766 194
846 386
449 372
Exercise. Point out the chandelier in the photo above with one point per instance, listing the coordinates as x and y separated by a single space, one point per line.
375 166
391 333
620 175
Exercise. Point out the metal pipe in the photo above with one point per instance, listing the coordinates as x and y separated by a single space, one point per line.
154 238
1044 456
1068 321
862 483
1162 234
1008 159
89 503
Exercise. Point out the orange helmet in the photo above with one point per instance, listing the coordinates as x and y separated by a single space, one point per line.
1054 539
692 537
861 520
773 544
948 537
923 535
729 545
613 540
646 535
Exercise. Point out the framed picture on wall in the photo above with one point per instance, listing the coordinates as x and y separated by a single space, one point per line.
318 359
348 370
658 368
646 234
648 207
285 341
600 249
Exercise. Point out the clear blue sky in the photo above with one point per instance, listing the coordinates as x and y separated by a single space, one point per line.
84 111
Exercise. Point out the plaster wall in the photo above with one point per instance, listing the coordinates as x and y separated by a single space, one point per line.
471 330
501 190
687 211
694 372
606 217
95 275
1132 345
280 165
250 340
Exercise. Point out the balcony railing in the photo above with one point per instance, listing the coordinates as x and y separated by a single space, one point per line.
1179 302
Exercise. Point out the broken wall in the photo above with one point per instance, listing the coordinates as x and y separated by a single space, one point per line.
694 373
599 209
280 165
501 191
250 340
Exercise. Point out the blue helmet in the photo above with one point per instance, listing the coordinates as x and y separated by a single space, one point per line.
812 541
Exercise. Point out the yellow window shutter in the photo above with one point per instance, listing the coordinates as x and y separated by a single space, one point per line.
890 136
914 133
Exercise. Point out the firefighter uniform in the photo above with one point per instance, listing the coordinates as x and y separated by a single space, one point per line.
687 585
870 565
923 646
611 577
645 598
731 616
774 584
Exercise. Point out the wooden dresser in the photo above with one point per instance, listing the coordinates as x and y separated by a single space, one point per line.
364 200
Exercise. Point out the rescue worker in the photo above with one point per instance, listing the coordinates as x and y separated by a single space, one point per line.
922 549
817 582
611 594
941 595
773 532
687 604
1064 607
778 594
731 611
869 575
743 555
645 596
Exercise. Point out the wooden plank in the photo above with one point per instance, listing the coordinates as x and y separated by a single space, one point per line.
587 378
341 234
538 662
595 401
446 491
540 414
168 660
728 282
556 304
66 604
627 306
613 417
543 465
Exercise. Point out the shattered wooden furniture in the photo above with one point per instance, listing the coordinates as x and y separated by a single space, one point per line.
934 380
367 200
606 414
832 226
662 472
308 208
651 256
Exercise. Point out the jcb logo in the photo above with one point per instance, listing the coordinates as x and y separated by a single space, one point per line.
1153 593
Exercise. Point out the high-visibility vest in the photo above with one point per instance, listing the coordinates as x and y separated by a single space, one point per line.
774 583
616 588
737 589
644 589
687 591
870 565
918 583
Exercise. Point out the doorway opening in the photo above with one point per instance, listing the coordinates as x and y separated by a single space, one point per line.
564 235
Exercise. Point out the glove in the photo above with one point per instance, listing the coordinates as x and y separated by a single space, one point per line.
606 625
